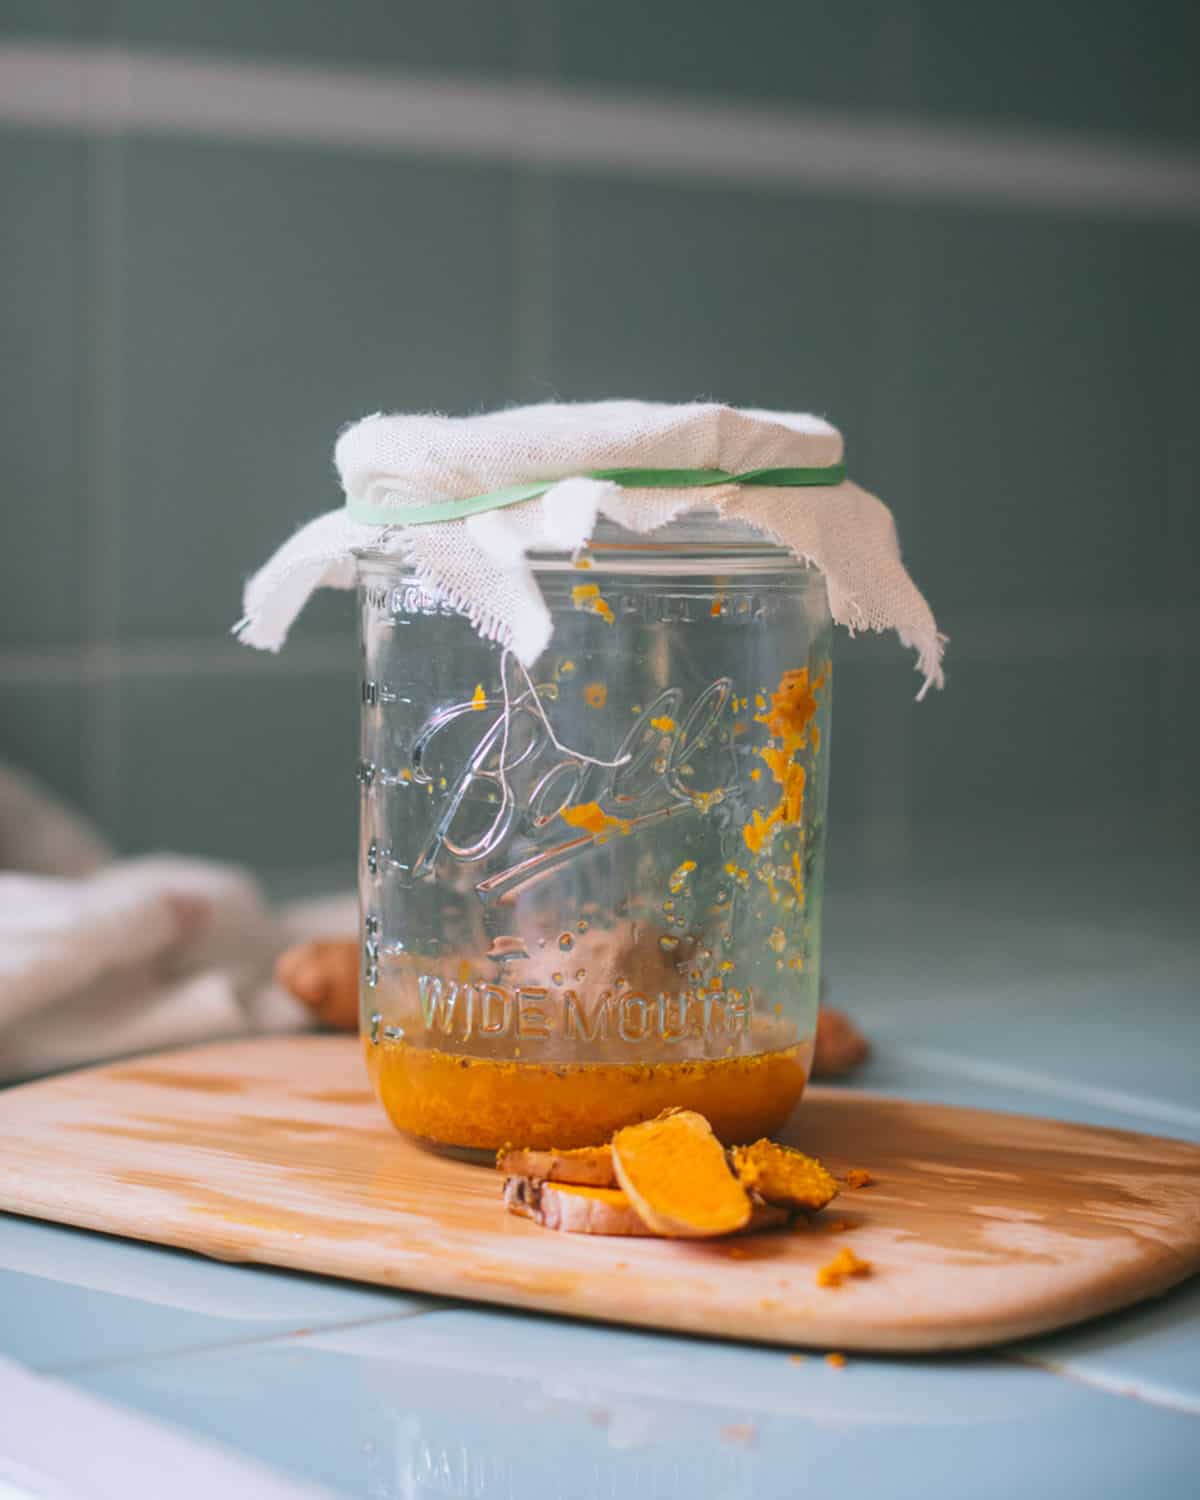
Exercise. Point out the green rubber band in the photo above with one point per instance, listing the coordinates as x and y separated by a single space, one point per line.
628 479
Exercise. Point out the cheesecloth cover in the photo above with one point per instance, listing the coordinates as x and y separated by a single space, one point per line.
395 471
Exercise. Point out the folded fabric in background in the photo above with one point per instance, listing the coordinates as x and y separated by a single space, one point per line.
102 956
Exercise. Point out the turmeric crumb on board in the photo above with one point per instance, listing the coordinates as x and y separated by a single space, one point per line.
595 695
664 723
844 1263
587 596
478 697
838 1361
858 1177
744 1433
592 818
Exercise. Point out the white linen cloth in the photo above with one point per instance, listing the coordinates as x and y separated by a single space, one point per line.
101 957
479 566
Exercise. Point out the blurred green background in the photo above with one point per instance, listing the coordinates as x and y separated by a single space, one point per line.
189 312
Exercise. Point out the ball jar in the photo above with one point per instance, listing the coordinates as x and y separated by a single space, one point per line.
591 890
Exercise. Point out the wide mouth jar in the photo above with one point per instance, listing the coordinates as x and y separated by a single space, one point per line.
591 890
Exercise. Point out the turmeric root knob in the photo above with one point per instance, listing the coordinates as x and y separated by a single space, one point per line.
324 976
675 1173
781 1175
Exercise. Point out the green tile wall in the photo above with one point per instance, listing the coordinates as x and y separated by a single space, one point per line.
256 767
185 323
41 732
43 438
1116 66
693 292
466 35
269 296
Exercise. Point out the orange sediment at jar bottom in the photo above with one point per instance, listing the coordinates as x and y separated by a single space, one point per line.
485 1103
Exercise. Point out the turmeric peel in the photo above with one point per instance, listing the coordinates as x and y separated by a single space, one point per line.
674 1172
782 1175
583 1166
572 1208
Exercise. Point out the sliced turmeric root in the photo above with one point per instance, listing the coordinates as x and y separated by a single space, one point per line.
586 1166
675 1174
765 1215
573 1209
782 1175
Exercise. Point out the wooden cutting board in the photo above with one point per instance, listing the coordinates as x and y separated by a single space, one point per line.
980 1227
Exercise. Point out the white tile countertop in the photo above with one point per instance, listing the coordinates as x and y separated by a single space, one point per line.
1049 977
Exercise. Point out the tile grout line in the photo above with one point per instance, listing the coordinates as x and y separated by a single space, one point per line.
1149 1393
98 328
1026 1080
532 202
78 1367
112 89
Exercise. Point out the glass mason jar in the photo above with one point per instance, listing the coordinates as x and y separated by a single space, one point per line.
593 890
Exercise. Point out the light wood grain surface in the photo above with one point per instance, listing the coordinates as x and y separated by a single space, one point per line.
980 1227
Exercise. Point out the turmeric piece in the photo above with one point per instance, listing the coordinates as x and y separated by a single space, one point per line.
780 1174
573 1209
844 1263
858 1177
324 975
764 1215
675 1174
585 1166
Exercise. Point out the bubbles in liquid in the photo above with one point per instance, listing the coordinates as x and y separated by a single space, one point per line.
580 974
581 925
557 976
668 944
566 942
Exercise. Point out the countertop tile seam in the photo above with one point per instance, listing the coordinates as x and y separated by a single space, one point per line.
1154 1112
68 1368
1150 1393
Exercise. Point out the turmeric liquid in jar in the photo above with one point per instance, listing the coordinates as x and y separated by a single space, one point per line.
554 948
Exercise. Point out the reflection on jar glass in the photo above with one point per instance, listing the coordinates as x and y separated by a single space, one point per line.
592 890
